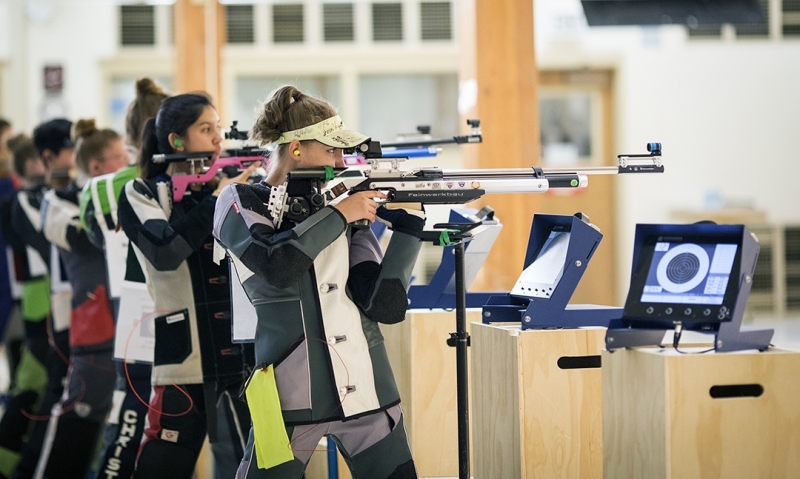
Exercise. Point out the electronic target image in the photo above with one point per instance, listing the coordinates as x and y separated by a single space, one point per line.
689 273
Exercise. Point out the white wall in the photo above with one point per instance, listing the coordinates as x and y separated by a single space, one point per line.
77 35
725 111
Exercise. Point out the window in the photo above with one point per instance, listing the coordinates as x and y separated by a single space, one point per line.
137 25
122 91
791 18
566 127
791 6
251 91
705 31
287 23
387 22
338 22
758 29
436 21
239 23
390 105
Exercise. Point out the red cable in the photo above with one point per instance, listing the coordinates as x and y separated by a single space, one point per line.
130 383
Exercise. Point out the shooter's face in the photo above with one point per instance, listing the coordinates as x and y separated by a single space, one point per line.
64 160
204 134
115 157
316 154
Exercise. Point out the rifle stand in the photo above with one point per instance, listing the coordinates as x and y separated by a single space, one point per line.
456 235
548 308
439 293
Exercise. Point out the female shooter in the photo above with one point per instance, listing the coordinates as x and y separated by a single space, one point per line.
195 366
320 288
77 420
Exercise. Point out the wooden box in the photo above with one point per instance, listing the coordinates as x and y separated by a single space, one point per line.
728 415
424 367
536 402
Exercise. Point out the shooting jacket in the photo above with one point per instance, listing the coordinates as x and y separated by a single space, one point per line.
22 230
98 203
319 289
191 292
91 319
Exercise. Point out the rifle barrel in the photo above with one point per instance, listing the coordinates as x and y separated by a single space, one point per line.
528 172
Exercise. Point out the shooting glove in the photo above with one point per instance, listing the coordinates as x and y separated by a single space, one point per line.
406 218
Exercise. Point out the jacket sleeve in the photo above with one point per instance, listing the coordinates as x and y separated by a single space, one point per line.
88 216
165 243
378 285
26 223
61 224
243 225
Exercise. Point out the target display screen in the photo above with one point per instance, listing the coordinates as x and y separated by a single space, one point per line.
689 273
692 279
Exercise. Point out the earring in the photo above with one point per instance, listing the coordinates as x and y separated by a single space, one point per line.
296 152
178 143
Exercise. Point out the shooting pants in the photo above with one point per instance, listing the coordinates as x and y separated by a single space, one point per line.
76 423
123 434
177 426
56 367
374 446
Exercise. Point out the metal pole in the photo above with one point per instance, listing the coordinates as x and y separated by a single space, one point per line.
333 463
462 341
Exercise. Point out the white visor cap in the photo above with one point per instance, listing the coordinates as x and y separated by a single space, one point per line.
331 132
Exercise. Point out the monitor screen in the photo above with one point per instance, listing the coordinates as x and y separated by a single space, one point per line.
689 273
687 279
541 277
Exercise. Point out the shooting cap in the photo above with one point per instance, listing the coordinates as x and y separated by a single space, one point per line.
53 135
331 132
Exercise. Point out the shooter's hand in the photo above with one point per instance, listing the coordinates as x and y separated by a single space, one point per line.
241 178
360 206
403 217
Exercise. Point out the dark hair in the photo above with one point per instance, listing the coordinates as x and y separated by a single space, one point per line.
90 142
53 135
175 115
22 150
4 124
145 106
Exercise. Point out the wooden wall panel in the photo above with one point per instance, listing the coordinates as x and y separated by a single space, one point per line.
501 59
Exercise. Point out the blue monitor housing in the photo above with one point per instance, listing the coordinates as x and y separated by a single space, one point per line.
559 250
695 277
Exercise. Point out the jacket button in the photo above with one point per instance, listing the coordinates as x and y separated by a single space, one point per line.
325 287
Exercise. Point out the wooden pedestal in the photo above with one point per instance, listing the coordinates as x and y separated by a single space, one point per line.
661 421
424 367
533 418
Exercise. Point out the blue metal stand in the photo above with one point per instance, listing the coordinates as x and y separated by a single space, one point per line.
554 311
333 462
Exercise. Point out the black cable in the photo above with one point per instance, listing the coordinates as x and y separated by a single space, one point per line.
677 338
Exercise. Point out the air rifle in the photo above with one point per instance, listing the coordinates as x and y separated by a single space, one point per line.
236 160
302 195
421 145
475 136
